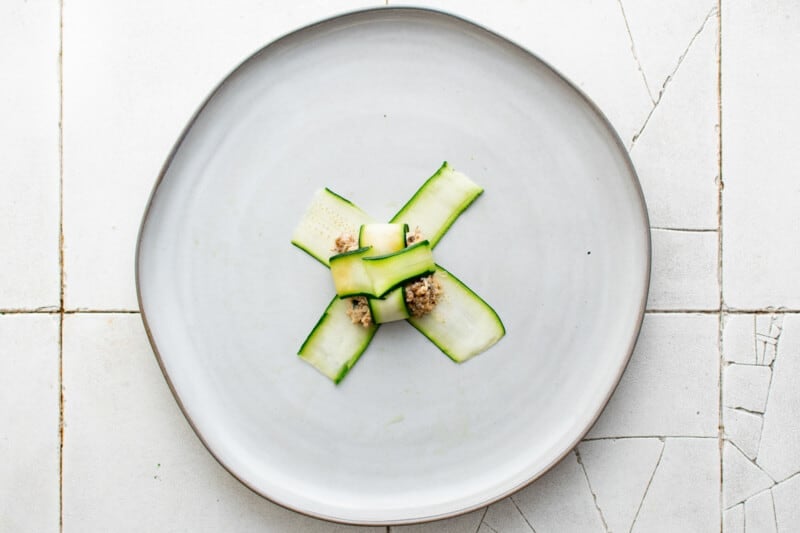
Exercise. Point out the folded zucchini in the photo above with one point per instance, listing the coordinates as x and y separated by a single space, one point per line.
462 324
328 216
391 270
390 308
349 273
383 238
335 343
438 203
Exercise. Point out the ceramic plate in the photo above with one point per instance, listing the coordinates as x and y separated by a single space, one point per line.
369 104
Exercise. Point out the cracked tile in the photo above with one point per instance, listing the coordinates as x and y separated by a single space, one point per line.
29 418
768 333
684 493
126 102
760 153
166 480
779 453
759 513
560 501
743 429
571 36
738 338
787 512
733 519
746 386
742 478
676 153
468 523
619 472
670 385
29 181
661 32
505 517
684 271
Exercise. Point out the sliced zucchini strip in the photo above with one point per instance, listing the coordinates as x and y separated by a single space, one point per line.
462 324
384 238
390 270
335 343
349 273
438 203
326 218
390 308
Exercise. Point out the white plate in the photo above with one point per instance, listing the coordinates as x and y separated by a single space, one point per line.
369 104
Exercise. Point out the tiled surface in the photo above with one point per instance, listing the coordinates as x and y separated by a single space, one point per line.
29 423
29 176
701 434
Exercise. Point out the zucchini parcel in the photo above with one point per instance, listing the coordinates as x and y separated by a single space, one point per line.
378 272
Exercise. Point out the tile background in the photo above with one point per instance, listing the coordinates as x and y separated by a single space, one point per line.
702 432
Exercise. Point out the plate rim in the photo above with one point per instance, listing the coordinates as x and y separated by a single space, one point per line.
426 11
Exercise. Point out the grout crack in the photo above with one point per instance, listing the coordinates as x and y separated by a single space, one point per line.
649 482
521 513
480 522
61 266
714 10
594 496
755 464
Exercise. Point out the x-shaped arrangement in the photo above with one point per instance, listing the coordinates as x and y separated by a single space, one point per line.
461 324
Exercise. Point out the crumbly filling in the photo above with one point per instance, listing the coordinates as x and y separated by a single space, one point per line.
358 311
345 243
421 294
414 236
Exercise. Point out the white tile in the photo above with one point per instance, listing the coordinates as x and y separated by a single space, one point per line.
733 519
742 478
670 385
759 513
684 494
29 418
743 429
759 156
619 472
125 103
787 512
684 271
467 523
560 501
505 516
571 35
131 462
779 453
676 154
739 338
29 161
746 386
662 32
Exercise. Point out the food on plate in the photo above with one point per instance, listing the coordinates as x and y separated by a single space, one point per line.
382 272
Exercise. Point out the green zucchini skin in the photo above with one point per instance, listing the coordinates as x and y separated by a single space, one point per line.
392 270
384 238
462 325
349 274
438 203
326 218
335 344
390 308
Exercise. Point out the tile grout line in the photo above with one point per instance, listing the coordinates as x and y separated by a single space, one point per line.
720 186
61 266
